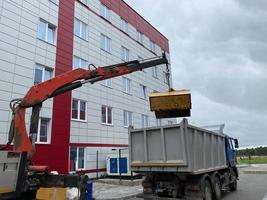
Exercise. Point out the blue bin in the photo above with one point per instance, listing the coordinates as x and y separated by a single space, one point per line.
89 188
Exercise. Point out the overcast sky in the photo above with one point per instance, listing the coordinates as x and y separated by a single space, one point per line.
218 51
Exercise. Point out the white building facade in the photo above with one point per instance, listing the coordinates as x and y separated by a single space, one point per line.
40 39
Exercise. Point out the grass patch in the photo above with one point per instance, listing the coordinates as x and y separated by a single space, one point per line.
252 160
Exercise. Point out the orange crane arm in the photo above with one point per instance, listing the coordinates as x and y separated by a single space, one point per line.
58 85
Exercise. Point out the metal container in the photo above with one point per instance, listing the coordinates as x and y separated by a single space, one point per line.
174 103
176 148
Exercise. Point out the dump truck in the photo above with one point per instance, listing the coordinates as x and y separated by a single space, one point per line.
184 161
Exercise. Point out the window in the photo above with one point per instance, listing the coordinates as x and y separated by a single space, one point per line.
152 46
158 121
43 134
54 1
80 29
84 2
143 91
107 82
139 37
125 54
144 121
78 110
104 12
127 118
126 85
105 43
124 26
42 73
106 115
155 72
79 63
77 158
46 31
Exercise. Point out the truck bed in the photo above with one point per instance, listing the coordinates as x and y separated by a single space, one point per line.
176 148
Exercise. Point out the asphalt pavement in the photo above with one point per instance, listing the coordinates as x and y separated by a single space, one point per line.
252 185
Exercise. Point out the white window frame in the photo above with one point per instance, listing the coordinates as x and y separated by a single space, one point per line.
107 83
124 26
80 60
155 72
48 131
81 26
143 93
125 54
152 46
77 158
44 68
127 118
144 121
105 12
47 26
106 46
139 37
78 111
126 85
106 115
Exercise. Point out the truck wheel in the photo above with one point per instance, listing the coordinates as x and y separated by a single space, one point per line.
233 184
207 191
217 189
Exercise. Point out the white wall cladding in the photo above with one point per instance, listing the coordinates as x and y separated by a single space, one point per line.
20 50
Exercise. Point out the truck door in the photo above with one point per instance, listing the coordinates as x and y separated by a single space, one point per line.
230 152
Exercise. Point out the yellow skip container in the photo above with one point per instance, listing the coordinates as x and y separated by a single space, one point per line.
174 103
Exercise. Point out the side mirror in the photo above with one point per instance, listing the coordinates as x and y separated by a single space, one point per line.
236 143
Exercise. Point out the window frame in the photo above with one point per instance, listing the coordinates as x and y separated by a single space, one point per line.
139 37
126 85
125 54
44 68
143 91
79 110
81 25
77 159
80 62
105 83
124 26
37 141
106 115
47 24
152 46
107 43
105 12
129 122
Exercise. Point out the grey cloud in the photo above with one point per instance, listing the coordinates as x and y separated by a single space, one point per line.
218 50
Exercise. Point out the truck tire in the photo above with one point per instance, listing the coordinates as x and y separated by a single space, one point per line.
233 184
217 189
207 191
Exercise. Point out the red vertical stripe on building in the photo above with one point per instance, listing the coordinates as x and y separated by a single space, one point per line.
56 155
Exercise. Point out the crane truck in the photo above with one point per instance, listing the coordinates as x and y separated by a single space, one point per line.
19 178
184 161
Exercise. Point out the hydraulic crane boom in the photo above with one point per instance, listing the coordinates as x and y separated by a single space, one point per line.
58 85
